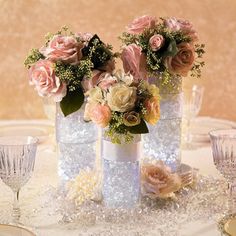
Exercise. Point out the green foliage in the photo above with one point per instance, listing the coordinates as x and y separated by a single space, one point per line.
73 74
97 52
141 128
118 132
72 101
33 57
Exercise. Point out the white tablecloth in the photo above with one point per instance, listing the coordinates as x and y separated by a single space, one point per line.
46 174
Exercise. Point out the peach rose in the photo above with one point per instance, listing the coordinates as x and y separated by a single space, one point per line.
185 26
141 23
152 106
89 83
158 181
183 61
134 61
156 42
47 84
98 113
131 118
121 97
64 48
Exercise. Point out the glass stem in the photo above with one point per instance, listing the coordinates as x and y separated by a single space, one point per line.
16 208
232 197
188 134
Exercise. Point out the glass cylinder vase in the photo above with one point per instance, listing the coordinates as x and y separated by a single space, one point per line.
121 173
76 141
163 142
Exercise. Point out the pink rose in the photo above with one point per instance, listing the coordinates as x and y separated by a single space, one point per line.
185 26
141 23
84 36
64 48
98 113
106 80
156 42
134 61
183 61
47 84
88 83
152 106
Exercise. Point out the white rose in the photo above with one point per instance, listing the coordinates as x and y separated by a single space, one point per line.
121 97
126 78
95 95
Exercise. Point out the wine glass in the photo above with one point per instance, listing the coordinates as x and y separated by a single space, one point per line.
17 158
223 144
192 105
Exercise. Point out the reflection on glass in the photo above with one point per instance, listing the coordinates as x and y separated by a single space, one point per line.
192 105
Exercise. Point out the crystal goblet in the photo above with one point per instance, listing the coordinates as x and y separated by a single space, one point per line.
192 105
223 144
17 158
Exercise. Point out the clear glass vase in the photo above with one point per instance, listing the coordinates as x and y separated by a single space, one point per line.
163 142
121 173
76 141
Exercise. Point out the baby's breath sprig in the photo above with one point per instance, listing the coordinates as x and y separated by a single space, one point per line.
33 57
73 74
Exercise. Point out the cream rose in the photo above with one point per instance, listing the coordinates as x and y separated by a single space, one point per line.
128 79
121 97
152 107
183 61
64 48
158 181
131 118
95 95
47 84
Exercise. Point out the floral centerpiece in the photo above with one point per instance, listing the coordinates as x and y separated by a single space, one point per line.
122 105
166 46
65 63
163 50
64 68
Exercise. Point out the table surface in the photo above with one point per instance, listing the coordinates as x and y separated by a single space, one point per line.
46 174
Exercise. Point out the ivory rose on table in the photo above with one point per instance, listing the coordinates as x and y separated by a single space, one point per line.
67 66
120 107
158 181
168 47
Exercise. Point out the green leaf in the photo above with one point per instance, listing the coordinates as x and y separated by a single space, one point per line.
72 101
141 128
171 49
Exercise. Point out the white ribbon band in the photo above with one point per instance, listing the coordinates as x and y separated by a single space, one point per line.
121 152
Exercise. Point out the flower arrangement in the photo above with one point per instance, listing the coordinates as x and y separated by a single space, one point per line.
164 46
66 62
123 105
